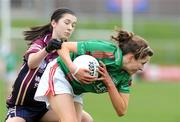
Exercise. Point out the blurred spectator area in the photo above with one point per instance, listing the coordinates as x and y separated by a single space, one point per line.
155 20
104 8
163 73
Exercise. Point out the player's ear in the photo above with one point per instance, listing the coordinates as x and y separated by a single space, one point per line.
130 57
53 23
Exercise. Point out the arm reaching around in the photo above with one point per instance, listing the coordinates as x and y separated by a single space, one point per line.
36 58
82 74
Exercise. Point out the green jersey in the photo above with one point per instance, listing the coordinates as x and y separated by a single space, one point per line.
110 55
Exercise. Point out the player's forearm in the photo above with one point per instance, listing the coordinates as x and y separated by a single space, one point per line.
64 52
36 58
119 103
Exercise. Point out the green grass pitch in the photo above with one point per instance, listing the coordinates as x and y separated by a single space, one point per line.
149 102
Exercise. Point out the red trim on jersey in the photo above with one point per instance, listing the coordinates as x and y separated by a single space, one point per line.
98 54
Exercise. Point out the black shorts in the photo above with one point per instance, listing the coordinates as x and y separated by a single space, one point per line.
30 114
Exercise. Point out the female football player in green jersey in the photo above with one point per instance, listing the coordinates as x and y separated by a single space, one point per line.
118 63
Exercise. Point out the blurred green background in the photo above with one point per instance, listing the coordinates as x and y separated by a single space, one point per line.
150 101
162 36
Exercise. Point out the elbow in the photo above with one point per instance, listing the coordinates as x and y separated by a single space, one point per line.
31 66
32 61
120 114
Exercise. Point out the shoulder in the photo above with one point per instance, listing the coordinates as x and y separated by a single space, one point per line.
97 43
124 82
46 38
43 40
122 76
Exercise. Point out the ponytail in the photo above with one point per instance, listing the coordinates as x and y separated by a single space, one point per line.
128 42
37 32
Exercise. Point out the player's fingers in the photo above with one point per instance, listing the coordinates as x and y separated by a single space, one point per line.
102 64
86 70
100 68
101 78
83 71
85 81
90 77
87 77
101 72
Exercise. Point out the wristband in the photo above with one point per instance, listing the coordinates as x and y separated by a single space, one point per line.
76 70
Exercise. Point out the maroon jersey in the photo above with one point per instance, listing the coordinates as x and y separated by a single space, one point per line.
27 80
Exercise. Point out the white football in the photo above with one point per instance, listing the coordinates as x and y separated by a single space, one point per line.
87 62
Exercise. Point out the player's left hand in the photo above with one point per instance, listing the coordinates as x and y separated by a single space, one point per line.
104 75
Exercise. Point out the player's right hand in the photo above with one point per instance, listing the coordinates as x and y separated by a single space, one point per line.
53 44
84 76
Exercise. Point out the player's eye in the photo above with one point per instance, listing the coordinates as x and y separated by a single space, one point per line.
67 22
73 25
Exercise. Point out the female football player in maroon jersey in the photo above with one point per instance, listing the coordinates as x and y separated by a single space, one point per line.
43 43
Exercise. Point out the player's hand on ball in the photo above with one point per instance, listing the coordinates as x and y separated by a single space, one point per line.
104 75
83 75
86 69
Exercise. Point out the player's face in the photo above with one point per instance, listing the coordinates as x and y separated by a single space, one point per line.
135 65
64 27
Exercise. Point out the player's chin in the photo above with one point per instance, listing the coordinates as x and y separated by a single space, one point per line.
64 38
132 72
67 35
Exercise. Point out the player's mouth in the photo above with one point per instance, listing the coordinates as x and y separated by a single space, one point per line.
67 34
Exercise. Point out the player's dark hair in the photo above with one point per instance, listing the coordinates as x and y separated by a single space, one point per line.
128 42
39 31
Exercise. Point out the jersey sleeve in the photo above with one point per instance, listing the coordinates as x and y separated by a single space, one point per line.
125 84
102 50
92 46
35 47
